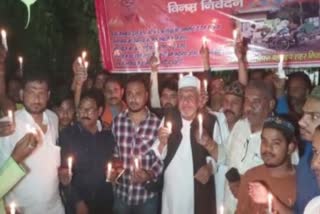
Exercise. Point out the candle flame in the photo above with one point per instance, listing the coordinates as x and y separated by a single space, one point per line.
70 161
20 59
84 55
86 64
3 33
204 41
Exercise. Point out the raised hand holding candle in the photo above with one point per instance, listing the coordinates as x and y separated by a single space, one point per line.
200 120
270 197
12 208
70 163
180 76
156 51
235 35
31 129
109 170
4 39
80 61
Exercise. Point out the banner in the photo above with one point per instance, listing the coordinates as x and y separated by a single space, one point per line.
130 31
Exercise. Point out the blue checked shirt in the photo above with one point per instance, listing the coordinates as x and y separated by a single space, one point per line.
135 142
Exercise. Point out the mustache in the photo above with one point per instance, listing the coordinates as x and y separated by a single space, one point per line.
268 154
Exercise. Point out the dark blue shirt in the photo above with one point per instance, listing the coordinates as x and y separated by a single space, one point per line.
307 186
90 153
282 106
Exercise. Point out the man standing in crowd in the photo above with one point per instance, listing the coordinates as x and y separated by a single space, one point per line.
276 176
135 131
113 93
91 148
44 162
307 187
186 167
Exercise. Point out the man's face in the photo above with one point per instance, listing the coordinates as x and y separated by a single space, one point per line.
35 97
315 164
99 81
275 150
136 96
297 90
232 107
169 98
66 113
310 119
216 88
14 88
113 93
188 102
88 112
256 106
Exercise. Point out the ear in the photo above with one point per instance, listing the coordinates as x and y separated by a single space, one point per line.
100 111
272 104
291 147
21 94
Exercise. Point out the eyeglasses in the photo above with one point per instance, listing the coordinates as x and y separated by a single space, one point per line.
87 111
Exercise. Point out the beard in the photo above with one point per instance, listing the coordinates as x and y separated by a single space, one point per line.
39 110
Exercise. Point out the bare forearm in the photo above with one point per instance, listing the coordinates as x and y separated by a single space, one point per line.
243 74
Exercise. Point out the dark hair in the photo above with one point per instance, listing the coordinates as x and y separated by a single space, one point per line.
94 94
138 79
318 128
263 87
65 97
232 175
168 84
36 77
302 76
114 79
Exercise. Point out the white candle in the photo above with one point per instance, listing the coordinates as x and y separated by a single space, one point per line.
109 170
169 126
80 60
20 59
205 85
235 34
70 161
86 65
84 55
156 51
4 39
200 120
136 163
180 76
270 203
221 209
190 73
281 73
12 208
10 116
204 41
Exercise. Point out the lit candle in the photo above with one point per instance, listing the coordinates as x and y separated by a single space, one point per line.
281 73
270 203
136 163
86 65
156 51
109 170
169 126
10 116
190 73
70 160
221 209
20 59
205 85
180 76
12 208
4 39
204 41
80 60
200 120
84 55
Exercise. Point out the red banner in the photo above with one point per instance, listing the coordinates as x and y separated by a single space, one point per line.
130 31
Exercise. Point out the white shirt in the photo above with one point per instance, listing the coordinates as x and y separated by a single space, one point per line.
37 192
178 189
243 153
313 206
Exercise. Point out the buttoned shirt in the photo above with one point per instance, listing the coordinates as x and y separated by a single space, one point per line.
135 142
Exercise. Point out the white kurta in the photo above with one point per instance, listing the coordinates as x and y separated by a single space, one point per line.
313 206
178 190
37 192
